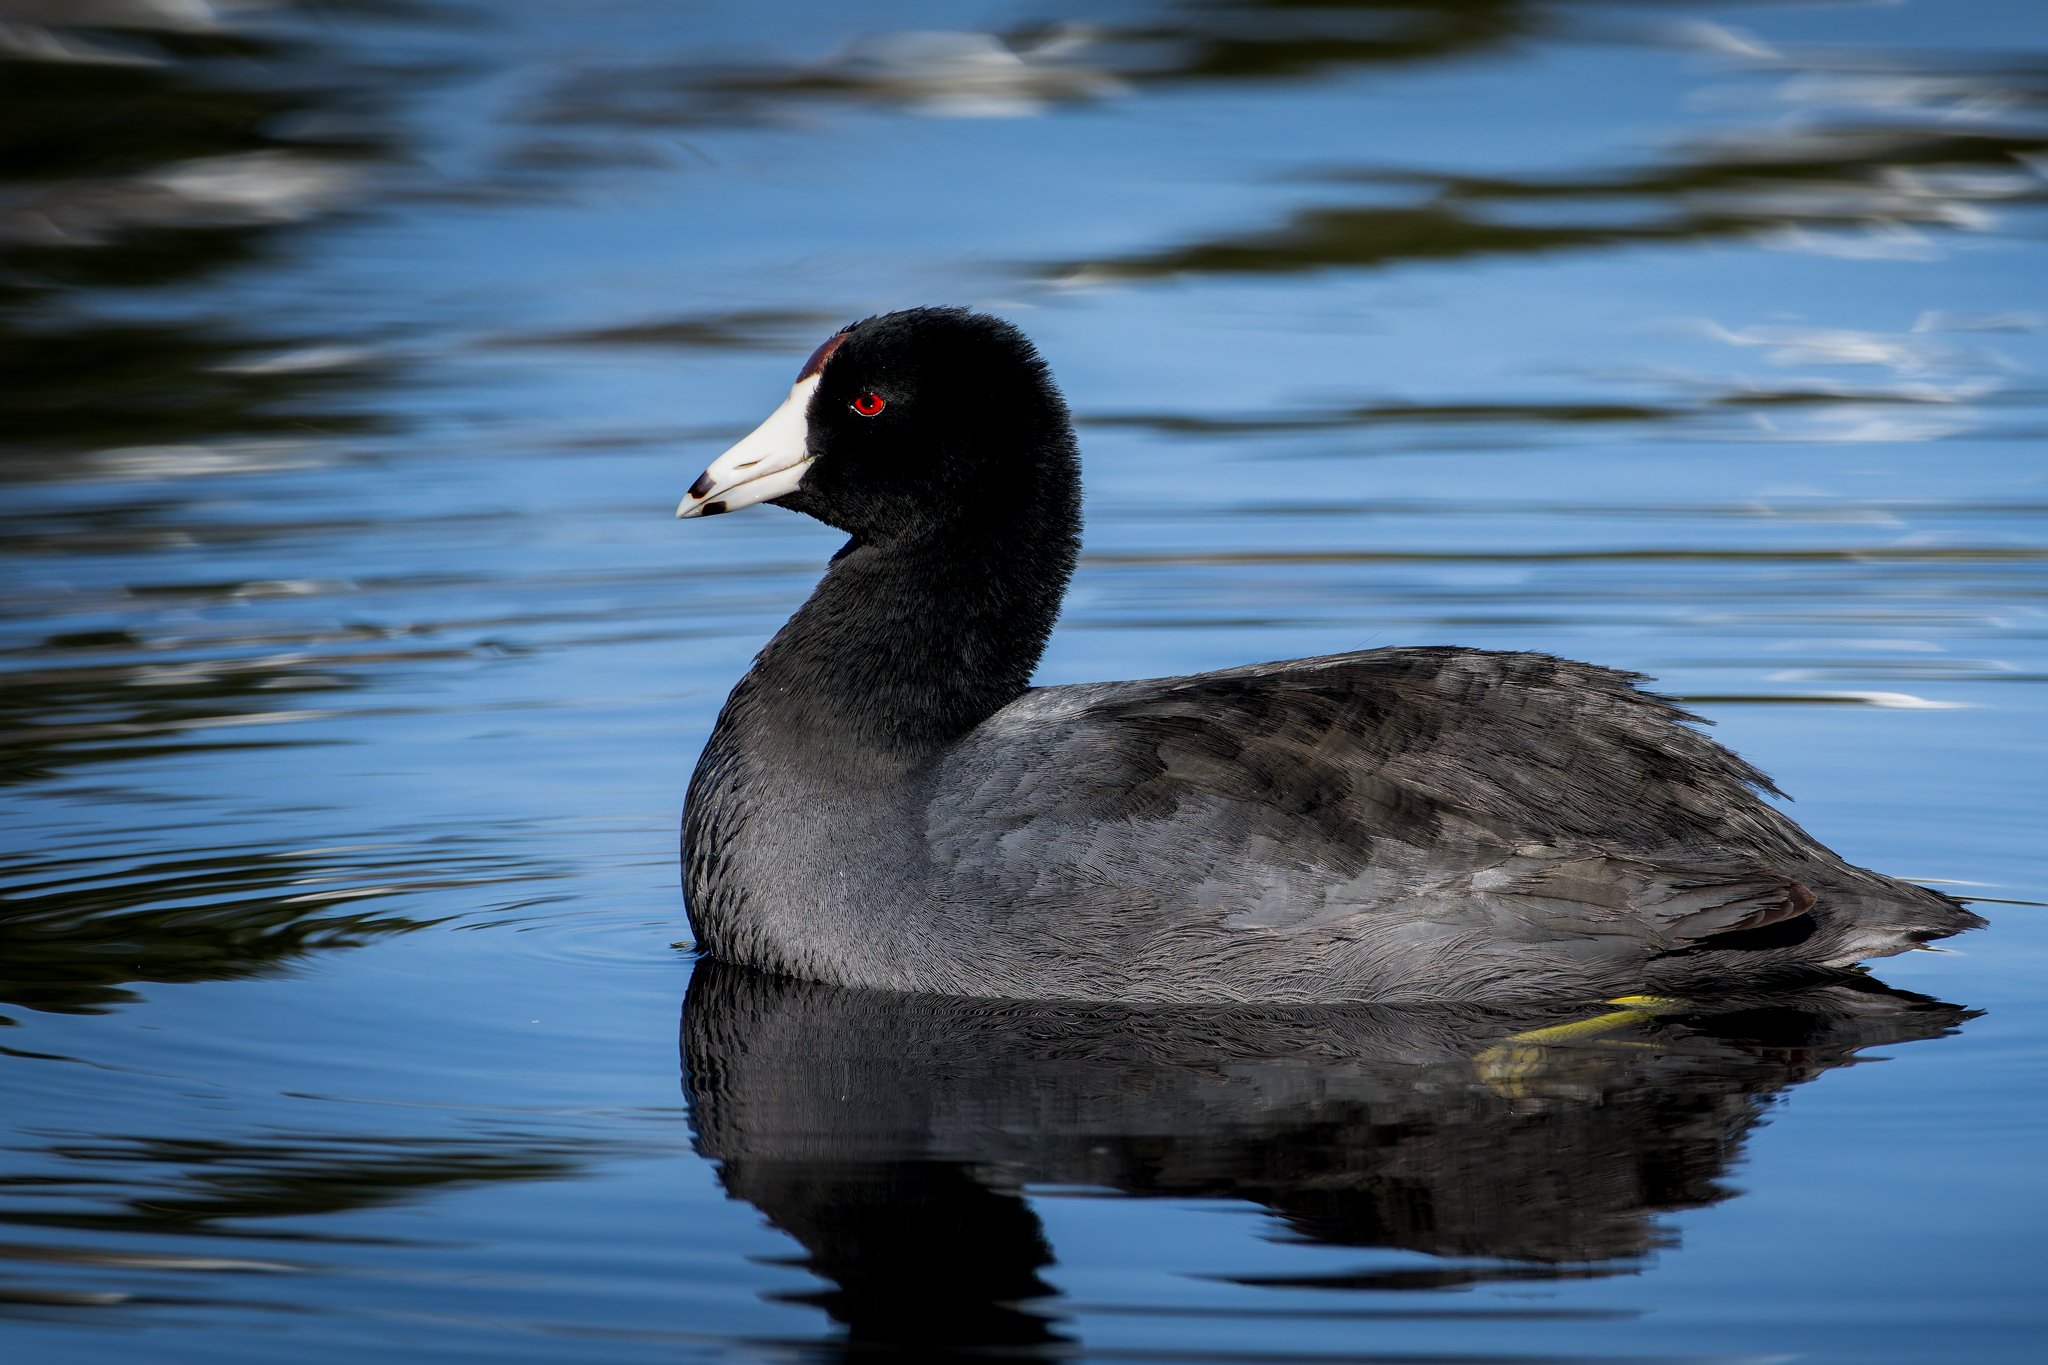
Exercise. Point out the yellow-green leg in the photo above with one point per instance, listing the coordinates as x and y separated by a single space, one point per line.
1518 1067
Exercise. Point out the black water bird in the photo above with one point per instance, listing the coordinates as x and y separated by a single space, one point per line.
887 801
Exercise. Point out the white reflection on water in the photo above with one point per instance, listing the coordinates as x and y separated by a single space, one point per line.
224 191
1932 374
973 75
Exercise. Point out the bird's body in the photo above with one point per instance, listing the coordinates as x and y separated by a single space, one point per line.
886 801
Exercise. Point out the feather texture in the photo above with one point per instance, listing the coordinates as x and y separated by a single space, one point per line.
886 802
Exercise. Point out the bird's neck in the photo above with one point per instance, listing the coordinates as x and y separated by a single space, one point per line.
909 643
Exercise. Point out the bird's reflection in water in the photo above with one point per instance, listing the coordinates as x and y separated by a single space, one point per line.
894 1135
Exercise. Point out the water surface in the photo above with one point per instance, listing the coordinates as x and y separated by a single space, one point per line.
358 353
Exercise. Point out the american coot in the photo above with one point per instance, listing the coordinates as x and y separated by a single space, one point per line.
887 801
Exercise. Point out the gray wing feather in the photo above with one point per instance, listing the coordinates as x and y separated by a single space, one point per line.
1481 801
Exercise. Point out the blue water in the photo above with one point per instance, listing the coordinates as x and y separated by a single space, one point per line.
354 666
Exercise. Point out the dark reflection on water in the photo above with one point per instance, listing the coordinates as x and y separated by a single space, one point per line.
77 930
742 329
893 1135
1040 65
96 712
145 149
1883 175
1279 39
156 1224
193 1187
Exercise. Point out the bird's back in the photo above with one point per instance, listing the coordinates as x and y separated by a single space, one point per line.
1392 824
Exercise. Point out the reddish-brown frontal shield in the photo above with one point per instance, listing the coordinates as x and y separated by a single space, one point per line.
820 356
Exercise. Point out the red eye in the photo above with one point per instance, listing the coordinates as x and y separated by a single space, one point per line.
868 404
